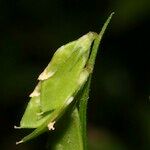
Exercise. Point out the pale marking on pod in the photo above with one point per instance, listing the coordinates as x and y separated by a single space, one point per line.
19 142
44 75
70 99
36 92
83 76
39 114
16 127
51 126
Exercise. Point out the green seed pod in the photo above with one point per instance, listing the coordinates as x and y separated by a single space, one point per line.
58 85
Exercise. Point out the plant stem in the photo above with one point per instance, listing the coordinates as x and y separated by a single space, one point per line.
83 111
85 94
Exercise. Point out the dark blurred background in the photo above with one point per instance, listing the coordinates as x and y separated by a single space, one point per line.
119 105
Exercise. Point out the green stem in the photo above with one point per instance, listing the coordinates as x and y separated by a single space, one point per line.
85 94
83 111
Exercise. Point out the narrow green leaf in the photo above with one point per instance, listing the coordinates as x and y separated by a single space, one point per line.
97 41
